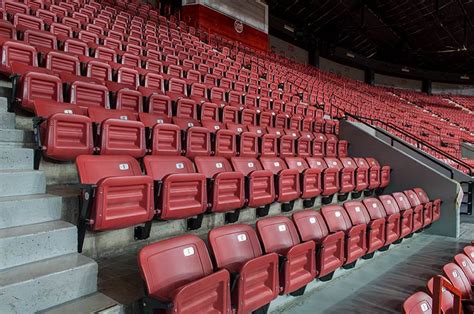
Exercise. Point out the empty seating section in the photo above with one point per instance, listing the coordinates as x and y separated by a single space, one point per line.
164 126
459 274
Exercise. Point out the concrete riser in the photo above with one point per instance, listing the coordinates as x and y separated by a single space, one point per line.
16 158
63 280
17 211
7 120
31 243
21 183
18 136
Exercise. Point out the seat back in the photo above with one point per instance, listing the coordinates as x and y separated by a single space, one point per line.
375 208
40 86
274 164
186 108
466 265
447 298
357 212
422 196
246 165
233 245
456 276
296 163
336 218
412 198
402 200
418 303
278 234
310 225
160 166
210 166
389 204
129 99
89 94
93 168
187 260
166 139
61 62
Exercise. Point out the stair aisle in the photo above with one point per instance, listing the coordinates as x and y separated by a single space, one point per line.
39 264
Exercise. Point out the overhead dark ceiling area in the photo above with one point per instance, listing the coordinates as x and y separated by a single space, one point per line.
428 34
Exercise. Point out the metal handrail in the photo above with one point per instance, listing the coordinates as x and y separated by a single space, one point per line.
419 141
439 283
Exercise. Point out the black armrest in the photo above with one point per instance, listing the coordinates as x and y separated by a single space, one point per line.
151 304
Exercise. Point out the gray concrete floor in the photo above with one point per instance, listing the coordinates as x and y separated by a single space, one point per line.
381 285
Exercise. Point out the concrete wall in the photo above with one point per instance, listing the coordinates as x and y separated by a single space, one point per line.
397 82
340 69
453 89
467 150
288 50
408 173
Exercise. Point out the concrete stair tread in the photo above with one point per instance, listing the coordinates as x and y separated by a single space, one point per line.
38 228
94 303
21 182
26 197
14 135
41 268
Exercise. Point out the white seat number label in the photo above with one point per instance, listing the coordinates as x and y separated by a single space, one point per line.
190 124
276 164
312 220
424 307
241 237
298 163
374 205
250 165
123 167
338 214
188 251
282 228
357 209
218 165
68 111
123 118
179 165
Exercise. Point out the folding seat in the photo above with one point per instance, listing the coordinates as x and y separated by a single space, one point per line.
37 85
180 192
407 211
18 52
346 176
129 99
319 145
378 217
75 46
57 61
383 172
179 285
287 181
248 116
87 94
447 298
265 119
14 7
469 251
176 88
63 131
287 143
237 249
458 278
418 303
247 141
164 137
259 183
98 69
119 133
226 187
198 92
7 30
71 22
329 178
114 193
337 219
127 77
159 104
131 60
25 21
281 121
297 259
435 204
329 247
88 37
310 179
419 214
466 265
396 226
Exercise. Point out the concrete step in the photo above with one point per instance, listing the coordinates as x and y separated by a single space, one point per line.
21 182
3 104
41 285
29 209
16 158
31 243
15 136
94 303
7 120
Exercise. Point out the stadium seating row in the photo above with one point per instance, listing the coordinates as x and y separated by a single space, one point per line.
459 273
281 257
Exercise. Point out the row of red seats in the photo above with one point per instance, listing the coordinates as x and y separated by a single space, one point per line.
64 131
176 187
281 257
459 273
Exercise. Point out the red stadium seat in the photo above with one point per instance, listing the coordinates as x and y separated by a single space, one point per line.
237 249
383 172
407 213
418 303
469 251
226 187
179 284
89 95
120 133
260 189
310 178
346 176
330 178
180 192
279 235
458 278
63 131
57 61
418 210
17 52
466 265
287 181
337 219
129 99
36 85
435 205
394 229
329 247
122 197
378 218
